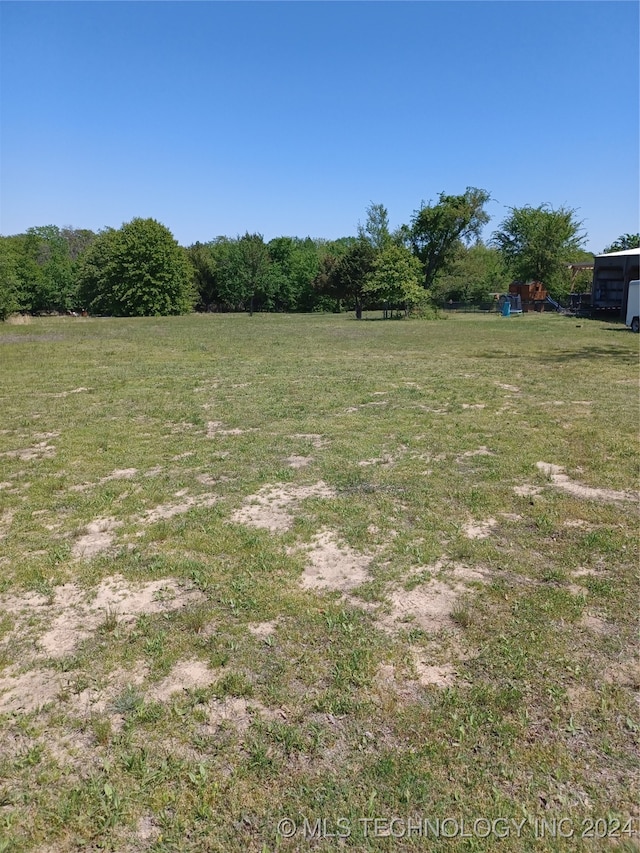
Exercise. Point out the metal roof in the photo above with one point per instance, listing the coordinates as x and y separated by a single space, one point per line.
619 254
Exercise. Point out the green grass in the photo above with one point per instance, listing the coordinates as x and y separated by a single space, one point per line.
322 716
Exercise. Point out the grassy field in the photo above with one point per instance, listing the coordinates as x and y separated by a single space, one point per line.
300 583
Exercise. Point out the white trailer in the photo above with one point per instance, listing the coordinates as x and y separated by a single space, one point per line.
633 306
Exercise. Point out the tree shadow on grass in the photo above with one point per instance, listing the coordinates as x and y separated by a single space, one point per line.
597 354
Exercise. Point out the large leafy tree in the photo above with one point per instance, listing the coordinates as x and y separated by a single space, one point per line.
343 275
250 270
137 270
437 230
476 272
9 282
395 278
45 270
537 243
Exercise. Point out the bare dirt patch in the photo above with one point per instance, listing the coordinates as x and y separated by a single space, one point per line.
595 624
28 691
186 502
505 387
481 451
215 428
429 606
98 537
5 522
437 675
263 629
479 529
77 618
72 391
333 565
185 675
238 713
317 440
40 450
269 508
527 490
299 461
54 625
561 481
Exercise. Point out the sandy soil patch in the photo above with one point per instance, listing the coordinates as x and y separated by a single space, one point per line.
474 406
595 624
72 391
429 605
479 529
481 451
98 537
28 691
99 699
442 675
626 674
527 490
298 461
505 387
215 428
561 481
209 480
185 675
333 565
40 450
5 522
387 459
186 502
238 713
269 508
54 625
357 408
263 629
75 618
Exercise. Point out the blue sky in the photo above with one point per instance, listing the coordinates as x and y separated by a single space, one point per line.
289 118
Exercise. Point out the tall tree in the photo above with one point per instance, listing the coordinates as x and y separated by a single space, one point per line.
537 243
395 278
345 277
138 270
436 230
376 229
251 268
9 281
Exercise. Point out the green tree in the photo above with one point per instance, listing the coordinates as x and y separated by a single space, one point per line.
624 242
45 270
437 230
395 279
138 270
344 277
9 281
476 272
376 229
537 243
250 268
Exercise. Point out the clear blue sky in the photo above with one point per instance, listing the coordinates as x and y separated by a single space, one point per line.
290 118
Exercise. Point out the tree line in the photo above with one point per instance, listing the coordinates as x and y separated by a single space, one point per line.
141 270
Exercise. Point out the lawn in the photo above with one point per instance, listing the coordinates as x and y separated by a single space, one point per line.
301 582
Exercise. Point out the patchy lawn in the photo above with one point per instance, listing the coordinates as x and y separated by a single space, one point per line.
294 582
